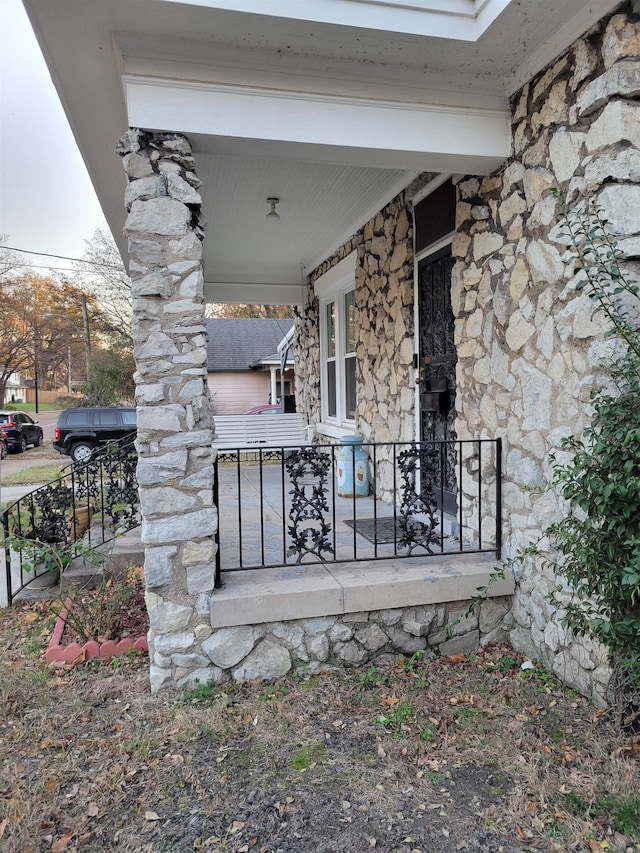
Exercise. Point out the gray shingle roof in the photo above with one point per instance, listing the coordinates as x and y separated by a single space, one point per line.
236 344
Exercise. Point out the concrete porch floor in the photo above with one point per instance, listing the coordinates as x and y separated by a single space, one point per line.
254 521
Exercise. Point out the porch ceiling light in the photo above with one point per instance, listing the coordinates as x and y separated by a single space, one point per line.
273 215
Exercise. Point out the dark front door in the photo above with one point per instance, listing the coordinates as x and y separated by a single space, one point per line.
437 363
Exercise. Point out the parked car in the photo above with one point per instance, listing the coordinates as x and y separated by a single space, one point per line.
4 447
80 432
21 430
264 410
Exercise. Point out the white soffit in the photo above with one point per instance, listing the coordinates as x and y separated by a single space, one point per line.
320 207
461 20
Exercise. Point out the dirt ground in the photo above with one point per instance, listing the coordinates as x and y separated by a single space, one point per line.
415 754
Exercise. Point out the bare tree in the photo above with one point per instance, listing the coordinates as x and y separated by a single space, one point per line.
8 259
103 275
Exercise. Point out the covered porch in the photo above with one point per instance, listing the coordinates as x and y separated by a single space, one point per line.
407 150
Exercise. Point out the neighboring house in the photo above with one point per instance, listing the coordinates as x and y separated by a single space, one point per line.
15 389
409 150
244 365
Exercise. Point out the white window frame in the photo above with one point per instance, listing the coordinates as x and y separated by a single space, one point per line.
332 287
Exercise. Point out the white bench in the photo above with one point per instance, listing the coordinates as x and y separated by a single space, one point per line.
251 432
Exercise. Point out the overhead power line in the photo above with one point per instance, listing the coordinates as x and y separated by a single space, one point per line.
60 257
42 267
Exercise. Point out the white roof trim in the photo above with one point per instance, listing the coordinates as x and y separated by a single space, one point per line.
463 20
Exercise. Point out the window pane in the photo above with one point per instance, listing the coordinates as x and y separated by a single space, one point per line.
350 390
106 418
77 419
331 330
129 418
350 321
331 389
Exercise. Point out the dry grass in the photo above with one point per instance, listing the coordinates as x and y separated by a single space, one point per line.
412 755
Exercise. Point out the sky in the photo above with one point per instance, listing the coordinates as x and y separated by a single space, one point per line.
47 202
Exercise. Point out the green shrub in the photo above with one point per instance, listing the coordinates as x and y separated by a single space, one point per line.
598 542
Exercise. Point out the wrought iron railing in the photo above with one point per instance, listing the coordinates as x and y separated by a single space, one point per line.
88 505
280 506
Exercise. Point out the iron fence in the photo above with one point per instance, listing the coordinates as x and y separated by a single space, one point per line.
283 506
87 506
286 506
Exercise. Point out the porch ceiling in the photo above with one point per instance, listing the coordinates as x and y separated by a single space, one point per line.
330 105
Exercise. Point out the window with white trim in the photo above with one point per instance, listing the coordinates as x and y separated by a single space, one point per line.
336 293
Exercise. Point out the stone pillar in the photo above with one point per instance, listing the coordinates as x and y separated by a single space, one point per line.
175 467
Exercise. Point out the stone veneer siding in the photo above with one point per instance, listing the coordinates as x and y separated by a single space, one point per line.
528 344
529 348
174 441
384 304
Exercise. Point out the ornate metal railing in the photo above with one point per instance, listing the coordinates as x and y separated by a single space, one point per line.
280 506
88 505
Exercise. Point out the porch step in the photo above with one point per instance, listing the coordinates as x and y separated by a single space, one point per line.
120 554
307 591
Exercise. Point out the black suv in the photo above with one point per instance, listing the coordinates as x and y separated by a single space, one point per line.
21 430
80 432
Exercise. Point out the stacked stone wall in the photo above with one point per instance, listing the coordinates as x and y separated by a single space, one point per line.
529 346
174 440
384 324
308 646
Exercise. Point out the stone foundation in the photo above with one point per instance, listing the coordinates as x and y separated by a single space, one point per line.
308 646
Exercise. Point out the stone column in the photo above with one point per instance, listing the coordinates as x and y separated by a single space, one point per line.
175 467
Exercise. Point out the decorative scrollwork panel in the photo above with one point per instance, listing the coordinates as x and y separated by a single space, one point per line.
418 515
309 471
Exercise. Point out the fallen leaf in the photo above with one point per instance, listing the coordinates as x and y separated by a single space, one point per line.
459 658
59 845
390 700
3 826
149 815
93 810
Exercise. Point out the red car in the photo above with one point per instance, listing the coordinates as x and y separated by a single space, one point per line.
264 410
